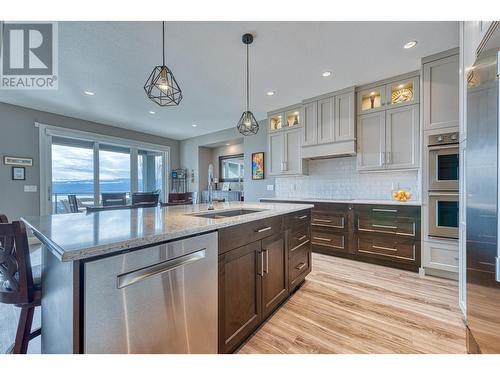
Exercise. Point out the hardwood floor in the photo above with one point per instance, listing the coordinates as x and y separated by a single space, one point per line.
347 306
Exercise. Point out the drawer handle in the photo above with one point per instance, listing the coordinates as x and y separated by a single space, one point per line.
263 229
322 220
384 226
384 210
323 239
487 264
384 248
299 245
301 237
301 217
300 266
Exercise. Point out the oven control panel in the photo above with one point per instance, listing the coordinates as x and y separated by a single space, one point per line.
443 139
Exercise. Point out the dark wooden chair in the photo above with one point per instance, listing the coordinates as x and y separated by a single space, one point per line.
177 199
20 285
114 199
150 199
73 203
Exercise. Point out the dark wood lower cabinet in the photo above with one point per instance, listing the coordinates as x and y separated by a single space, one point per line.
256 278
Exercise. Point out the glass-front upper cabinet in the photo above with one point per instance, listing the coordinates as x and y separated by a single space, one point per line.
284 119
371 100
403 92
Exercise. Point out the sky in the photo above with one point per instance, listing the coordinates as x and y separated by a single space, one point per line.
71 163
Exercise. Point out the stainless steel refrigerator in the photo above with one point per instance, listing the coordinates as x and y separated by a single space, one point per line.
482 197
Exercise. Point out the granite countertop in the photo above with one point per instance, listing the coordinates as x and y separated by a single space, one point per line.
353 201
77 236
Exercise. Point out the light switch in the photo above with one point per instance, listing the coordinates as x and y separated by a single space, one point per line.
270 187
30 188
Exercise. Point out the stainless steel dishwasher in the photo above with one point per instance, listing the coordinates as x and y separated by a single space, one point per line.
160 299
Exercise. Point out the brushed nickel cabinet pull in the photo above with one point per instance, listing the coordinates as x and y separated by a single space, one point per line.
384 226
323 239
323 220
384 248
267 261
301 237
263 229
299 245
261 264
384 210
300 266
301 217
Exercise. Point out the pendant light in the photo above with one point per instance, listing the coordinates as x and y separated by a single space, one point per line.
161 86
247 125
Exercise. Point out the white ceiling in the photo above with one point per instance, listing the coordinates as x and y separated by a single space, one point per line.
114 59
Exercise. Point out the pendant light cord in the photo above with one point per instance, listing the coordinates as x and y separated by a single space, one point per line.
163 40
248 90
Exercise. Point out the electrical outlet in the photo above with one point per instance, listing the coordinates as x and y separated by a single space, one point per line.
30 188
270 187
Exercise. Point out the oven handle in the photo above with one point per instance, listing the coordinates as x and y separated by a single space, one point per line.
443 147
434 194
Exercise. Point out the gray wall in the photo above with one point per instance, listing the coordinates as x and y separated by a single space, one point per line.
193 154
19 137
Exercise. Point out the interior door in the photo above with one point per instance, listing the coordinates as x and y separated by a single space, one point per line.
275 273
371 141
402 137
240 294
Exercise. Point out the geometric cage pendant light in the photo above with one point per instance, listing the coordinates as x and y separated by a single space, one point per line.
161 86
247 124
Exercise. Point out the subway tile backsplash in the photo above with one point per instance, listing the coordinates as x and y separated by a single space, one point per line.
339 179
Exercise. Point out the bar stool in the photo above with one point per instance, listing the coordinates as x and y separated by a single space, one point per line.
20 285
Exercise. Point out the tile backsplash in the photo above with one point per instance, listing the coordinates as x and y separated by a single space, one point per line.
338 179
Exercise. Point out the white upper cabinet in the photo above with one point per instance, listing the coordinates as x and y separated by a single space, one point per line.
344 117
402 137
371 141
309 130
331 131
285 140
388 124
441 93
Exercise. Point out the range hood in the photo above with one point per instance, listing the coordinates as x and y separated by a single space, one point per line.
329 150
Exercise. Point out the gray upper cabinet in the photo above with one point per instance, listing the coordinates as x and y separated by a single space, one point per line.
330 131
402 137
285 141
371 141
440 85
388 124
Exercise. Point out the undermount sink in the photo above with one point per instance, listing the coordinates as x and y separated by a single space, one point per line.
226 213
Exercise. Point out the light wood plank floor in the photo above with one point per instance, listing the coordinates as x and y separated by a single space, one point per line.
353 307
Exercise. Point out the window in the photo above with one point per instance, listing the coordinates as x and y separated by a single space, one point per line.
79 166
231 168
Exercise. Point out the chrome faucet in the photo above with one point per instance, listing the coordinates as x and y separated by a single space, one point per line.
210 184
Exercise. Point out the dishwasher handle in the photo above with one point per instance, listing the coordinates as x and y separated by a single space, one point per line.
132 277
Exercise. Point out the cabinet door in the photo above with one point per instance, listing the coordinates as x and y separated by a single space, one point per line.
325 121
401 93
402 137
309 119
344 117
293 155
441 93
276 153
275 273
371 100
240 295
371 141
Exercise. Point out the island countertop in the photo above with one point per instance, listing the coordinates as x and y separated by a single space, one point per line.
78 236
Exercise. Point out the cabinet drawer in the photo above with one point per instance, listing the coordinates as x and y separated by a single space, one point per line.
321 219
299 237
299 218
401 227
335 241
240 235
386 247
299 262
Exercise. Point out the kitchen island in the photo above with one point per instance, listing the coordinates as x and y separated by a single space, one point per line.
158 280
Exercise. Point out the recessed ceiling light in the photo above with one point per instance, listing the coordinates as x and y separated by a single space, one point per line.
270 93
152 112
90 93
326 74
410 44
401 86
194 125
228 144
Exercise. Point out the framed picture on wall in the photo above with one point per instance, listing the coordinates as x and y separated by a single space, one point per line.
258 166
18 173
